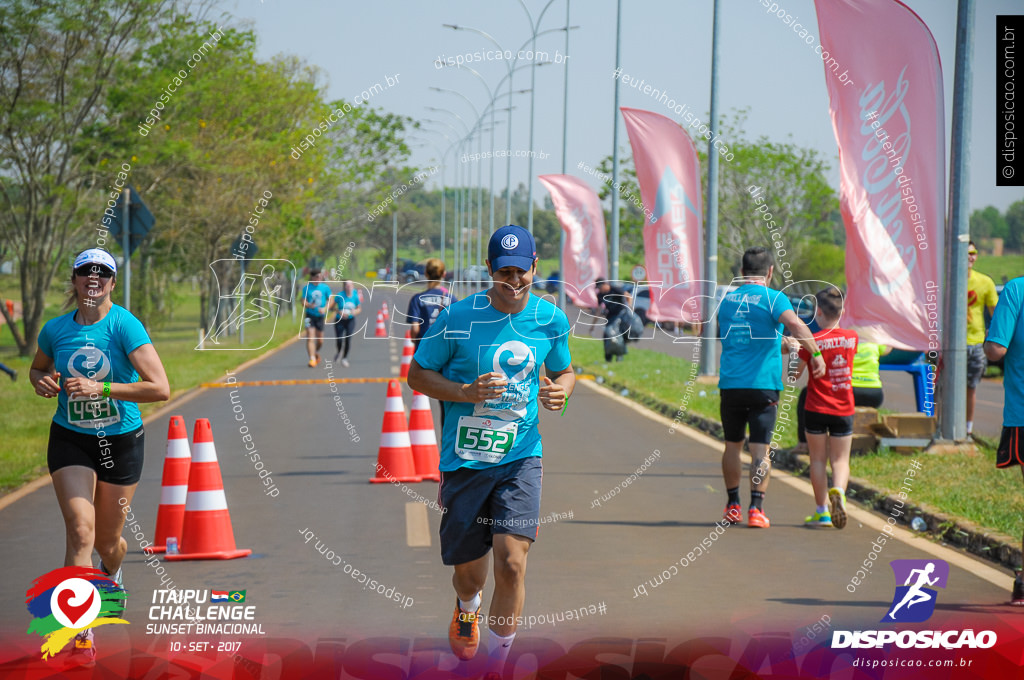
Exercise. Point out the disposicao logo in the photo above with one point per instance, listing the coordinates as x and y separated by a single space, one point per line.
913 602
66 601
916 576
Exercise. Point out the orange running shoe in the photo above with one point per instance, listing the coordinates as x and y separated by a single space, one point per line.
756 518
464 632
83 653
733 513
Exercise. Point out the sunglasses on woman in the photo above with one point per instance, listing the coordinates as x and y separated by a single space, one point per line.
93 270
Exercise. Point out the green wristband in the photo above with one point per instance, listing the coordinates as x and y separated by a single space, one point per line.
106 389
816 354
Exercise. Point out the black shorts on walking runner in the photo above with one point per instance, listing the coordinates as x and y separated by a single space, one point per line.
1009 452
503 499
826 423
741 407
116 458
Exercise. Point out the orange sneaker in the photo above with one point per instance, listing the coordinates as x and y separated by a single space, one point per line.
756 518
311 363
733 513
464 632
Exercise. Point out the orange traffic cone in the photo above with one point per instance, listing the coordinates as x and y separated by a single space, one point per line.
425 455
381 332
206 532
384 311
174 488
394 459
408 349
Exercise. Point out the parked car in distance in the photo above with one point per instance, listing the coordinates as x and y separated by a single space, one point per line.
475 272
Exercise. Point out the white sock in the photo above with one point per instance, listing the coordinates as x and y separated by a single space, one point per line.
471 605
498 648
821 509
970 426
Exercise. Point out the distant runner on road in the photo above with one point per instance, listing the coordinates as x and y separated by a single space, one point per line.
100 364
316 296
750 320
426 305
1006 341
482 358
347 304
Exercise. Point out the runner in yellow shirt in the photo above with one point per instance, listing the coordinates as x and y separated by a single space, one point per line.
981 294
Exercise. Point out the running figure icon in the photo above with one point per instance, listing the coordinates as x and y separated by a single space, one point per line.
916 594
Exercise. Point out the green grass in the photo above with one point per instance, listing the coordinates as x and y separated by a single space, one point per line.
27 416
1010 266
963 486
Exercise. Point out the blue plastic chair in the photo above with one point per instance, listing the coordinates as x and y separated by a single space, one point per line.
919 369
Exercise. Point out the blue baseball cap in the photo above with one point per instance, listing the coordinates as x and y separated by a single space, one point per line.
511 246
96 256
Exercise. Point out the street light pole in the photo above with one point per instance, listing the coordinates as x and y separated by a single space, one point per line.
615 149
511 69
953 404
534 25
709 338
565 138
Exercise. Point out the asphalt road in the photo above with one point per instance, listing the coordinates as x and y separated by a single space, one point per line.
606 553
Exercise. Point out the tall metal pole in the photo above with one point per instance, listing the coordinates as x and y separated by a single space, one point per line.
241 305
529 163
615 148
443 171
126 245
709 350
491 190
953 406
508 156
565 138
394 245
480 197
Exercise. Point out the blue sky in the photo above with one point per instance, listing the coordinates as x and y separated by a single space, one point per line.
764 67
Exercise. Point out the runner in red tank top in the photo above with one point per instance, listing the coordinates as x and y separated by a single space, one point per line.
829 411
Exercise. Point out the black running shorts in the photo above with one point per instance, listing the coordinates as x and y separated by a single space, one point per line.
826 423
116 458
742 407
315 322
1009 452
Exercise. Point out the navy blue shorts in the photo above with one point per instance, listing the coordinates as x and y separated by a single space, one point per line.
504 499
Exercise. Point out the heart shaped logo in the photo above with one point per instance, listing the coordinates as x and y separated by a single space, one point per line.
73 612
75 603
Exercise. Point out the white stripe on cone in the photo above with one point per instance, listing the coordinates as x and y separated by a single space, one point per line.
178 448
422 437
173 495
206 500
204 452
394 440
395 405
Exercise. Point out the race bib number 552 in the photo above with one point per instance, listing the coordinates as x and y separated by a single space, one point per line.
484 439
